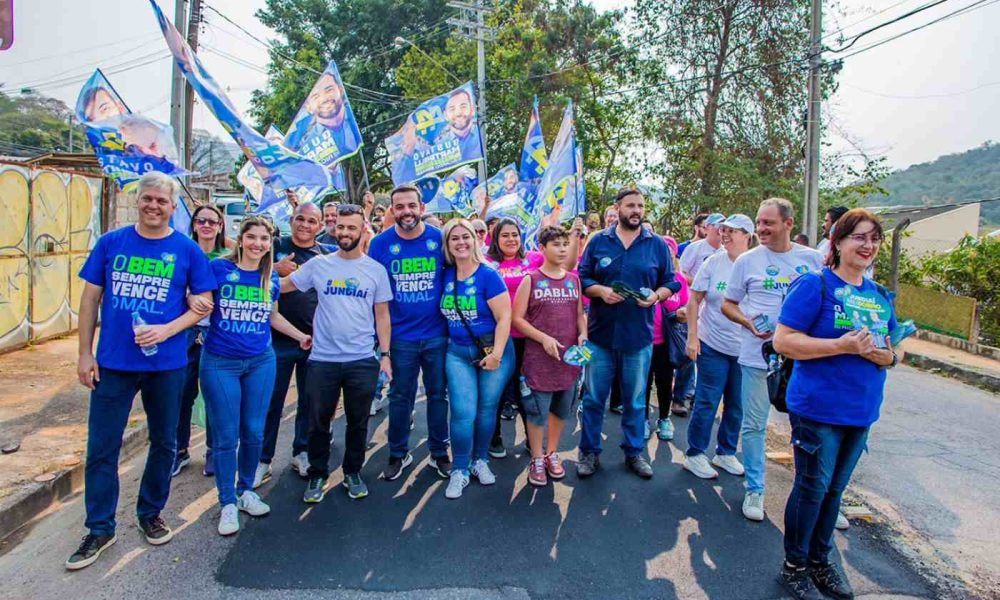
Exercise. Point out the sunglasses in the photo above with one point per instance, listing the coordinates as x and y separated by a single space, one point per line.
204 221
348 209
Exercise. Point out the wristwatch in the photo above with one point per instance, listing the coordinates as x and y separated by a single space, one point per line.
895 361
383 354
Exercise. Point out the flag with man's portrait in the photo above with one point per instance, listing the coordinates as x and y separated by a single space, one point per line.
324 129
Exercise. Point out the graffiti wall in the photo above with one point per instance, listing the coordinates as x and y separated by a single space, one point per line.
49 222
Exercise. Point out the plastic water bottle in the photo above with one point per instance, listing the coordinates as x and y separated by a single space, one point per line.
772 363
139 323
525 390
383 379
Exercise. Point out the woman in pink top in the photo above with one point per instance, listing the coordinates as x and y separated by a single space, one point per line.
661 370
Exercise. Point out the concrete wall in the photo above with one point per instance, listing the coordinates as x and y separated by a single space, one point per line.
942 232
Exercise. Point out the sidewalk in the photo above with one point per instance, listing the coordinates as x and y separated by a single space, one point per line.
971 368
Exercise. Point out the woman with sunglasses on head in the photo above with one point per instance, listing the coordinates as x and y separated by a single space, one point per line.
713 342
208 229
836 326
480 356
238 366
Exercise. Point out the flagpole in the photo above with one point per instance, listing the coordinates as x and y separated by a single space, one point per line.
364 170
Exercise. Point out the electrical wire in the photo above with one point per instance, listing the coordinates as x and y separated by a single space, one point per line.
906 15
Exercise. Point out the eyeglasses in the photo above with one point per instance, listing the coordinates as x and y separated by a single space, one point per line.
348 209
860 238
204 221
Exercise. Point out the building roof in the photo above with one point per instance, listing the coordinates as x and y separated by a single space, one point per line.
894 214
66 160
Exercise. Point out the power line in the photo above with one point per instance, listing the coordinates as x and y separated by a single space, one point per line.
859 21
905 15
922 96
121 68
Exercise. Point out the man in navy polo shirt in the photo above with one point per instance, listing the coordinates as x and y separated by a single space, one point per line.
143 271
621 330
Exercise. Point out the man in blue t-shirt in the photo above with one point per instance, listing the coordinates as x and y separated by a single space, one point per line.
626 256
411 252
139 277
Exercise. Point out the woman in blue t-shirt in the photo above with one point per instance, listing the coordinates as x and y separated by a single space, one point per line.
480 356
237 366
835 324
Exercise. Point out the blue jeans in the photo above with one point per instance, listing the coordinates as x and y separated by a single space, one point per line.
718 376
756 408
474 394
236 392
408 360
825 457
288 357
684 383
110 404
190 393
631 369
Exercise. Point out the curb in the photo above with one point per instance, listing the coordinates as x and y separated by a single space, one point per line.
36 498
986 381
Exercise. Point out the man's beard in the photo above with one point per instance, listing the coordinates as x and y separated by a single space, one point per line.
351 243
405 226
627 224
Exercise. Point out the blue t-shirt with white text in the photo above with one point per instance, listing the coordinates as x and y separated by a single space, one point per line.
472 296
240 326
845 389
414 268
151 277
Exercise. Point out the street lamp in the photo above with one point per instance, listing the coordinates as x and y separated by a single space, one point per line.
401 41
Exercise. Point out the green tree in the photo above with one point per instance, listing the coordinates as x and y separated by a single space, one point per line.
33 124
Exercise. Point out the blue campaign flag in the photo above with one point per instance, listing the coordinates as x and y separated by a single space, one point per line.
557 189
180 221
509 196
580 205
324 129
534 160
454 193
441 134
126 144
279 167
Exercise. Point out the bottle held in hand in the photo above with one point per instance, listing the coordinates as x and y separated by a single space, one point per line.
138 324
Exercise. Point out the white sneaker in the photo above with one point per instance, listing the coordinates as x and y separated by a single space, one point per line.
250 503
698 464
753 506
728 463
377 405
300 462
456 483
481 470
229 520
842 523
263 473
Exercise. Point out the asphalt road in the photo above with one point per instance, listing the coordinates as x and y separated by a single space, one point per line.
613 536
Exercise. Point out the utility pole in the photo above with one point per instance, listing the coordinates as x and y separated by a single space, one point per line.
811 204
178 84
471 25
71 132
194 24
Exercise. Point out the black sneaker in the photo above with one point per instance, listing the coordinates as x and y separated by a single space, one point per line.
395 467
796 582
89 551
497 451
181 460
315 490
829 581
640 466
442 464
156 531
356 488
681 410
617 409
508 412
587 464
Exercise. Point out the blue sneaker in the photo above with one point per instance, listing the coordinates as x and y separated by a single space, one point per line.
664 429
181 460
209 470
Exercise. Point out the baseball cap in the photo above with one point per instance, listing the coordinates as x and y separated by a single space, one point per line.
738 221
715 219
672 244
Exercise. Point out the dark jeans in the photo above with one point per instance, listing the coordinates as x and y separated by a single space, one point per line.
110 403
719 377
512 393
325 380
661 371
684 382
825 457
409 360
288 357
237 391
632 369
190 393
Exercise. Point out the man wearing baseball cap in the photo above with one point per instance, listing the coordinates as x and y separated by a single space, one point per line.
698 252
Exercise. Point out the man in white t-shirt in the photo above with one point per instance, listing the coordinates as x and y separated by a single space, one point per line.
353 294
698 252
832 216
757 287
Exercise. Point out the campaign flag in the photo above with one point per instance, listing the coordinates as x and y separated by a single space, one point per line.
455 192
180 221
442 133
534 160
324 129
279 167
557 199
509 197
580 207
126 144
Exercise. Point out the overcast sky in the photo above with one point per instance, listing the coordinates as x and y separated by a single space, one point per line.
929 93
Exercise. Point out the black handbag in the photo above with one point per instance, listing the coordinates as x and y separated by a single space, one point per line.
675 336
484 343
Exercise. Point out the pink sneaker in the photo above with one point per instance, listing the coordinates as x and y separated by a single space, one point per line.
553 464
536 472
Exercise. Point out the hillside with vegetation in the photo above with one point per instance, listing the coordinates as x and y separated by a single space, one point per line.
970 175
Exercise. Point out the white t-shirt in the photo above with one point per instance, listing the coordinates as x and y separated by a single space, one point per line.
695 255
347 290
759 282
713 327
823 246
